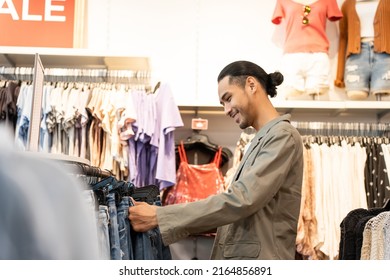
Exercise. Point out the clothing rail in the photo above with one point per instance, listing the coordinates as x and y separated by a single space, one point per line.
93 171
77 74
343 128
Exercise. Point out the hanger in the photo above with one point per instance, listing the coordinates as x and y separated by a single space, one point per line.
110 184
157 86
148 194
386 205
202 142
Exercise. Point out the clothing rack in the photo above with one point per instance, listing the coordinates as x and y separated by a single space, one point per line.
93 171
78 75
110 203
343 128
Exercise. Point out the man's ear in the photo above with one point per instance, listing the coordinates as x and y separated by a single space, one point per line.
251 83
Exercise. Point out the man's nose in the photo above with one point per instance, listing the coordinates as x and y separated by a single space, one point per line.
227 109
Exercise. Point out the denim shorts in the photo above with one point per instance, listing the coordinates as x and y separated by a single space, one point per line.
368 71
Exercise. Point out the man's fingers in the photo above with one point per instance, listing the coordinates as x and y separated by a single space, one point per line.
132 200
135 203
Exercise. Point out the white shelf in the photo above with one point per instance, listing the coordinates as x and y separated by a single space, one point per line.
77 58
332 104
320 108
335 108
71 58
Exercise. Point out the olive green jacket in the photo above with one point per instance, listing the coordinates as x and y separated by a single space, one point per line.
257 216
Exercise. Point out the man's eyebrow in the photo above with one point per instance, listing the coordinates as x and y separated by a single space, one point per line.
223 95
223 98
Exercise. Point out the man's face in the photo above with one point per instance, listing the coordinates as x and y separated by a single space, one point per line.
235 101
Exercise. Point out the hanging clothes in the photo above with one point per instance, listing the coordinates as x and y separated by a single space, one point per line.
152 158
242 145
345 168
9 92
117 239
117 127
44 214
194 181
365 234
376 177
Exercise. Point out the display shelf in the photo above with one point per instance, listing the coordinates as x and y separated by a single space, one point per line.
324 108
72 58
335 108
85 58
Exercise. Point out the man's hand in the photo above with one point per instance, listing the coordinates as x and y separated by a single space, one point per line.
143 216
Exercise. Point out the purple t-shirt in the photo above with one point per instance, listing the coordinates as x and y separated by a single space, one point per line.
168 118
152 158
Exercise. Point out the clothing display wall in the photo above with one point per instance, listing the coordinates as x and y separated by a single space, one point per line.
117 127
341 173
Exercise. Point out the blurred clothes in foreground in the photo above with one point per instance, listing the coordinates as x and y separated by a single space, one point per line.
42 211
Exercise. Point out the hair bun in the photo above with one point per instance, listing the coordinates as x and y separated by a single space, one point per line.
274 79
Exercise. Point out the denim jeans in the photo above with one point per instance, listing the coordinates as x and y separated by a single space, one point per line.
149 246
116 253
124 229
141 244
368 71
103 232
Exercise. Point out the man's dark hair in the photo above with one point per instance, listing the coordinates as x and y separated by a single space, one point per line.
238 71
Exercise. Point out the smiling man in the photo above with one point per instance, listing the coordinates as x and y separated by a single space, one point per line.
257 216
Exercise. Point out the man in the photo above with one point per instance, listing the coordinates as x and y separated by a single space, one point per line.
257 216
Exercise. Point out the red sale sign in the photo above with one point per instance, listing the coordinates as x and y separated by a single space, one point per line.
37 23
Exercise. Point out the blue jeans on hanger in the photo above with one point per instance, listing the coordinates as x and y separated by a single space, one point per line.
103 232
124 229
142 247
116 253
148 245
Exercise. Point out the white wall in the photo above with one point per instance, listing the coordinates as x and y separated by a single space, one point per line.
232 30
190 41
165 31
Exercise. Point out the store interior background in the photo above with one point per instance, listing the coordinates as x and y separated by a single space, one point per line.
187 43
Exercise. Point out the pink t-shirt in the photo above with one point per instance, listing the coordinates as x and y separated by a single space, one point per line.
310 37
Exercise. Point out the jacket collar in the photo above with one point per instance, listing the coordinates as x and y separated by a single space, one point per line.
260 134
264 130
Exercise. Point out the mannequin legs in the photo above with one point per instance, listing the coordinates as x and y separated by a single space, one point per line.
382 93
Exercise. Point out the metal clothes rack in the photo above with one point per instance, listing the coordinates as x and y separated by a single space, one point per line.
343 128
93 171
87 173
91 75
